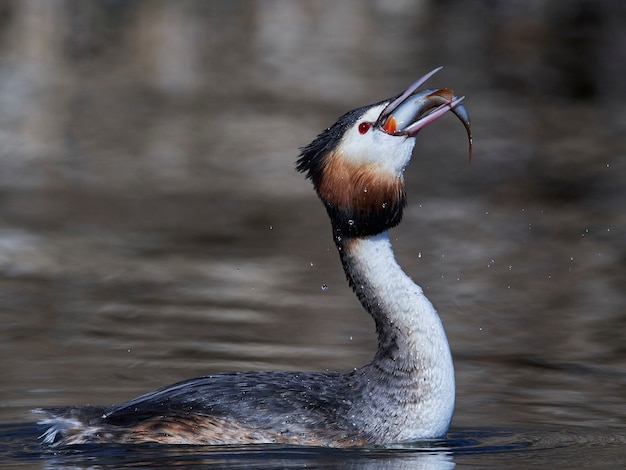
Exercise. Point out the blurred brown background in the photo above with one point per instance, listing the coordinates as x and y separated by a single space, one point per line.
152 226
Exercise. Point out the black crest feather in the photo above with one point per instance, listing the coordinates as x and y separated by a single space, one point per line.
312 156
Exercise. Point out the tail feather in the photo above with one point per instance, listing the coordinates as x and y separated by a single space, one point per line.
67 426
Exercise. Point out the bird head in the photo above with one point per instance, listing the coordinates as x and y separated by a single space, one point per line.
357 165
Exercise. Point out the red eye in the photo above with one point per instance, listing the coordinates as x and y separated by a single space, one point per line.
364 127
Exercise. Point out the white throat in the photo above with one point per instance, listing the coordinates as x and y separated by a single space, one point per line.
414 358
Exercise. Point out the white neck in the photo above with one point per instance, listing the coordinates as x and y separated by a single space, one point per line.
413 360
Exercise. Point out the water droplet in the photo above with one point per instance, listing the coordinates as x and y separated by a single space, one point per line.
384 205
419 255
351 223
350 338
271 228
364 190
324 287
311 263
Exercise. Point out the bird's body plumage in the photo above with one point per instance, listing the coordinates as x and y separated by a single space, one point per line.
405 393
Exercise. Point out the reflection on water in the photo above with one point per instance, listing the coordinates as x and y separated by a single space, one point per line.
152 227
515 448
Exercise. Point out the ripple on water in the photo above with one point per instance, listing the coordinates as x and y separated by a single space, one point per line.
515 448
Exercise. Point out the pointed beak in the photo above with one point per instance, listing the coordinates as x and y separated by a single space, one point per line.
413 110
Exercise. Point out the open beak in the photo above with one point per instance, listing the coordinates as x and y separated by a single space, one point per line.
413 110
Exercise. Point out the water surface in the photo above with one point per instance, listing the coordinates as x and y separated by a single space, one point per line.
153 229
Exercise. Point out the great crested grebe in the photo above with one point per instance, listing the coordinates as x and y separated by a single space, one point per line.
406 393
